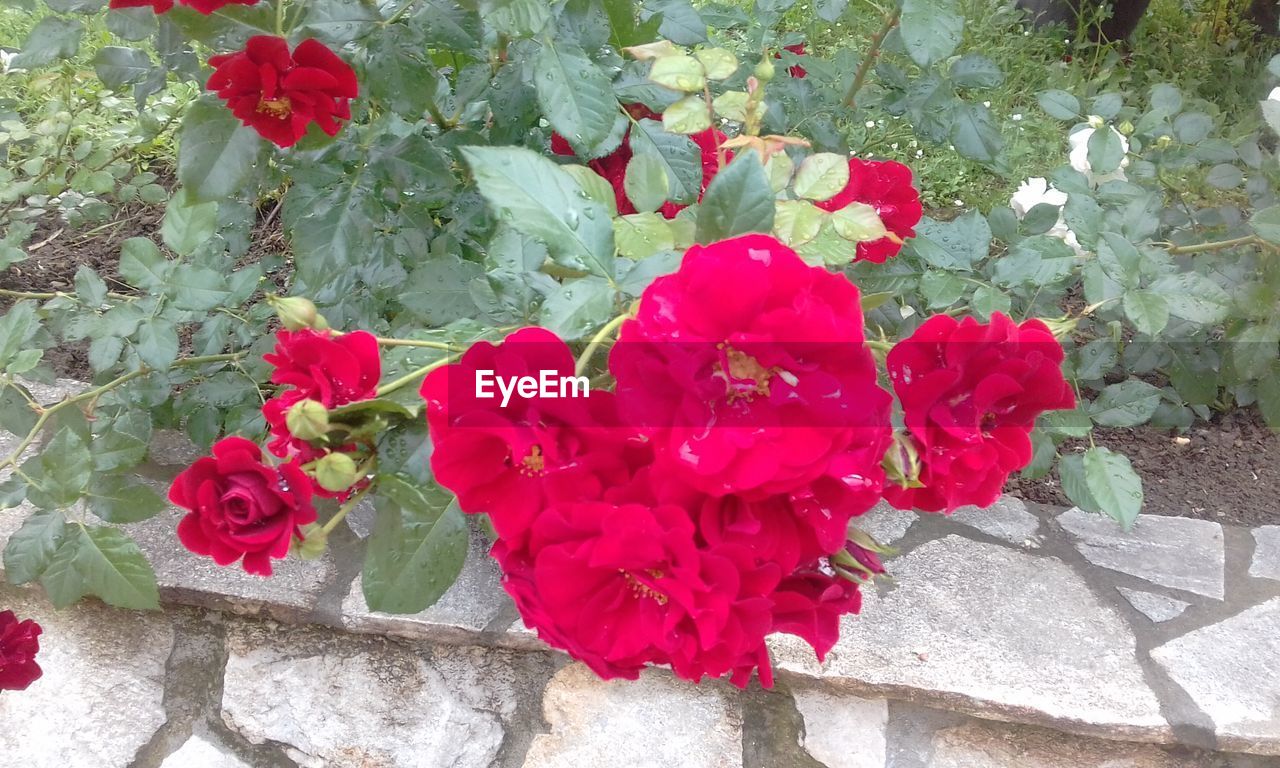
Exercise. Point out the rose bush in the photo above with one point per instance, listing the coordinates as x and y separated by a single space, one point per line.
507 186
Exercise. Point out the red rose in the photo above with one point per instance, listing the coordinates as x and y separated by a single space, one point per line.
19 644
886 186
162 6
809 605
279 94
511 460
749 371
241 507
970 394
795 70
330 369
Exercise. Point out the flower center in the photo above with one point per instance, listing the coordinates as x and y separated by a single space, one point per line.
280 107
640 589
534 464
744 376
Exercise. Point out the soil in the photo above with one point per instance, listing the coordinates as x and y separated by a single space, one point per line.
1227 470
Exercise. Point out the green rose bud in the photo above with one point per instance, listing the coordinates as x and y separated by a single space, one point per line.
313 543
902 461
1126 128
296 313
336 472
764 70
307 420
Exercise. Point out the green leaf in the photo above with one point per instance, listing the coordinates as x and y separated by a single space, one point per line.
1060 105
52 39
438 291
65 467
1105 151
117 500
122 442
1060 424
187 224
858 223
157 343
216 154
31 548
688 115
1038 260
988 299
640 235
1127 404
142 264
416 550
681 158
1148 311
738 200
1194 297
1113 484
63 584
821 176
1269 397
538 199
114 569
796 222
1266 224
17 328
645 182
717 62
679 72
930 29
973 70
198 288
575 95
578 307
975 134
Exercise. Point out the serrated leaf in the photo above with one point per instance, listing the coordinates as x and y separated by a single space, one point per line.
142 264
930 29
821 176
1149 312
640 235
688 115
1113 484
578 307
718 63
157 343
188 224
118 500
115 570
216 154
1126 404
31 548
645 182
416 550
1059 104
681 158
62 582
575 95
1194 297
796 222
738 200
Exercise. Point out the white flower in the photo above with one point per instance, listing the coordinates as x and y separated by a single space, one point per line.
1035 191
6 58
1079 154
871 123
1273 96
986 104
1016 117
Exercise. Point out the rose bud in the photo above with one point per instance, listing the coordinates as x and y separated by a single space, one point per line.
764 70
296 312
307 420
336 472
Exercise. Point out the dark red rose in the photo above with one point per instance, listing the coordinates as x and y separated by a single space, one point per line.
510 461
331 369
750 373
809 605
159 6
970 395
240 507
19 644
795 70
163 6
886 186
279 94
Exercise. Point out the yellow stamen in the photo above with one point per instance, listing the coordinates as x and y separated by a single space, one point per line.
280 107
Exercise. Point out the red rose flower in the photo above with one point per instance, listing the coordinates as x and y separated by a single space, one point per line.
279 94
240 507
795 70
162 6
620 587
970 394
19 644
886 186
511 460
330 369
809 605
749 371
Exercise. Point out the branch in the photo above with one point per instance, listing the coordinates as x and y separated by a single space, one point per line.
873 52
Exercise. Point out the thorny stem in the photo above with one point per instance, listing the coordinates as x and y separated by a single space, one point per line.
413 376
56 295
386 342
873 52
1218 245
93 394
598 340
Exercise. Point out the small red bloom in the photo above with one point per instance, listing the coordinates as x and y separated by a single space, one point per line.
750 372
19 644
332 370
163 6
886 186
809 604
279 94
795 70
970 394
240 507
511 460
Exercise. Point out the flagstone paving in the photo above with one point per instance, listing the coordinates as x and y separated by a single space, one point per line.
1018 637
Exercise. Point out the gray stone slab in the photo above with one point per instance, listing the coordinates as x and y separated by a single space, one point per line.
1231 670
979 744
884 523
654 722
1266 553
996 632
1176 552
843 731
1007 519
1158 608
337 701
468 607
101 696
198 752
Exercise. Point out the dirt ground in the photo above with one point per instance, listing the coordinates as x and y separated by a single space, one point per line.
1227 470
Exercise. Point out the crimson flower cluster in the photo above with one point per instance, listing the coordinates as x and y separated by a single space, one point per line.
242 507
613 166
19 644
684 517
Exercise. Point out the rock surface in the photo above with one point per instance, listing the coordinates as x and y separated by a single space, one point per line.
884 523
1176 552
843 731
1007 519
1266 553
1232 672
198 752
1002 632
1158 608
654 722
101 696
995 745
